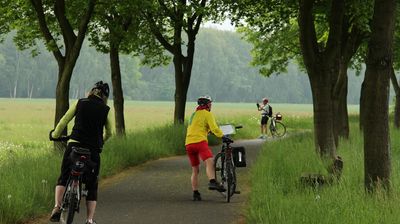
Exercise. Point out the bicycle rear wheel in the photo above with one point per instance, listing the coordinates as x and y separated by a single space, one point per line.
279 130
72 204
219 163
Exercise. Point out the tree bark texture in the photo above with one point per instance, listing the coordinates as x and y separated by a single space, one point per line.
396 88
341 115
117 89
375 105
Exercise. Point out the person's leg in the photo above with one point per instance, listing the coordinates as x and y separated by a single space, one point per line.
92 187
58 195
210 171
264 131
90 210
195 178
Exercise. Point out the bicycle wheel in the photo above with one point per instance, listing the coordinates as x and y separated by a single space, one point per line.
219 168
72 203
279 130
230 180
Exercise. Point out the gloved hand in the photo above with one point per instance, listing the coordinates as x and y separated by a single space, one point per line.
226 138
258 105
51 137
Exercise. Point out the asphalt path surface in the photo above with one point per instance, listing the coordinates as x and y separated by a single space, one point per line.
160 192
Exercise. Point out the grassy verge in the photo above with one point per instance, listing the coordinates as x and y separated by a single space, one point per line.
278 197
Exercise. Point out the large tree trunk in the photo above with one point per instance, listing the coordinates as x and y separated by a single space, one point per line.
323 116
376 97
62 98
340 113
396 88
323 66
117 90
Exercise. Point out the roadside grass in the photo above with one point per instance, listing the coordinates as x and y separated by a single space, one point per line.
278 197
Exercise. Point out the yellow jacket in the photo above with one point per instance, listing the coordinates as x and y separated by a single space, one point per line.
201 122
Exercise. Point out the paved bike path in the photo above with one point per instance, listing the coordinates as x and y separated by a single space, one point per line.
160 192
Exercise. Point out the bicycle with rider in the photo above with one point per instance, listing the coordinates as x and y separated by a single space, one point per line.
91 117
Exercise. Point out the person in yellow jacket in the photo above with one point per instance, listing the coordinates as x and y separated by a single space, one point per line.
201 123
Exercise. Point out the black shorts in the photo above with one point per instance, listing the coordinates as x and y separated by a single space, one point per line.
264 120
91 178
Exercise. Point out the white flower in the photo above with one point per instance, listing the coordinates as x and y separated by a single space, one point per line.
317 197
9 196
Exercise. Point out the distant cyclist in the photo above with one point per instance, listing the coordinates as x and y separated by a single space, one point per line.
91 117
266 111
201 123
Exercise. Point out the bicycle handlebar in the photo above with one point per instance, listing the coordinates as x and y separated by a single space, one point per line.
226 139
59 139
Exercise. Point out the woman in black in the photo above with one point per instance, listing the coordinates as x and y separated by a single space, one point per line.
91 117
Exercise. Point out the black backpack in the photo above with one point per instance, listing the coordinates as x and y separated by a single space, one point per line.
270 111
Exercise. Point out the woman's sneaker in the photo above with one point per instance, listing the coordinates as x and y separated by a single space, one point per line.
216 186
55 214
196 196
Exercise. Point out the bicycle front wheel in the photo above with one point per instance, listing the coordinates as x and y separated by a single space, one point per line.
279 129
230 180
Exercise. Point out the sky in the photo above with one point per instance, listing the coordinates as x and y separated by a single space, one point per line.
226 25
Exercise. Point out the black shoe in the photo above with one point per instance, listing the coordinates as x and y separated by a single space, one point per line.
196 196
216 186
55 215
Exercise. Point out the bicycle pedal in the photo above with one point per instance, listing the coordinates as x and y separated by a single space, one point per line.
237 192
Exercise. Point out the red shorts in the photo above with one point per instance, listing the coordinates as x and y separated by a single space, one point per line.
196 150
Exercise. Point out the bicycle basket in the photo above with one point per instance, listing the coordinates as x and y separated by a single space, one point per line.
278 116
239 156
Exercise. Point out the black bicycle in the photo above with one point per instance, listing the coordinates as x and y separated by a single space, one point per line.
226 161
74 192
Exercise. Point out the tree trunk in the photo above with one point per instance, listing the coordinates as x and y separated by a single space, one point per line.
62 99
343 114
180 93
340 113
377 165
323 116
396 88
322 67
117 89
397 112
